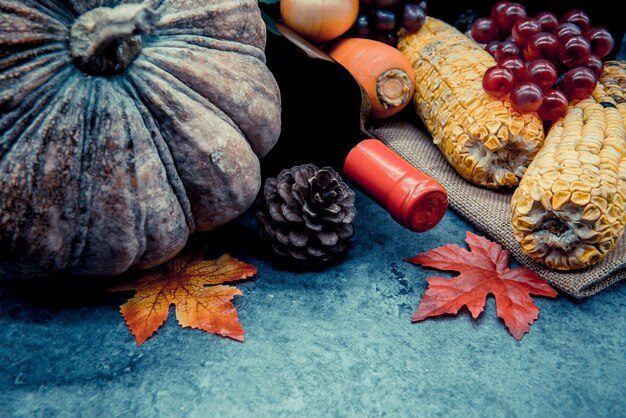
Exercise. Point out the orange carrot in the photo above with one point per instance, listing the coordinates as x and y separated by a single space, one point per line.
382 71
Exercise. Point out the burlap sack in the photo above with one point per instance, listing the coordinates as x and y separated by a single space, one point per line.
488 210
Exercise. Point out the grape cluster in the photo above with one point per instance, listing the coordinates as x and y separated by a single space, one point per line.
543 61
382 19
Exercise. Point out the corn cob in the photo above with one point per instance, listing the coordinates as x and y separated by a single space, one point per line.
568 211
483 138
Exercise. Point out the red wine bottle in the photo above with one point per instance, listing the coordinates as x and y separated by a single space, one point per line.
324 112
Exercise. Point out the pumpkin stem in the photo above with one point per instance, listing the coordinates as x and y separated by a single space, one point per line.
393 88
106 40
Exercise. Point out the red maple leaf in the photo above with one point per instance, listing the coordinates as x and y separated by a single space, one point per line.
183 282
483 270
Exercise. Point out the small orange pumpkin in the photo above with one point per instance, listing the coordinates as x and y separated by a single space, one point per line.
319 20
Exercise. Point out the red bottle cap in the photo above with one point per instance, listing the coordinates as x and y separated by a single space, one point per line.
413 199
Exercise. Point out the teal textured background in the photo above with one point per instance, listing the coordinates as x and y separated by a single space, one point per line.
335 342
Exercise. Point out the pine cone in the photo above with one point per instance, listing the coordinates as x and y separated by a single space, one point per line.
306 214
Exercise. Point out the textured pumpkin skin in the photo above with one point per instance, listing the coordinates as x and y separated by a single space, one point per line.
99 173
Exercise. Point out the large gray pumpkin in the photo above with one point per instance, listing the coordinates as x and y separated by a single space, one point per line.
125 127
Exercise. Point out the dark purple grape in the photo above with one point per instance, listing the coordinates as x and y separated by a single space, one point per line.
413 17
424 6
465 20
385 20
387 37
382 19
388 3
362 26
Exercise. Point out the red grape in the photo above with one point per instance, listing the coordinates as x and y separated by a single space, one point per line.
579 83
542 45
601 40
574 51
526 97
554 105
595 64
498 81
524 29
543 62
516 65
542 73
510 14
548 21
577 17
565 30
497 8
492 47
507 49
484 30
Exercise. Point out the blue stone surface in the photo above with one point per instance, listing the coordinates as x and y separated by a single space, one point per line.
334 342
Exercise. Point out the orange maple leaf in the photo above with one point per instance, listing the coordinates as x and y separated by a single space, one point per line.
484 270
181 282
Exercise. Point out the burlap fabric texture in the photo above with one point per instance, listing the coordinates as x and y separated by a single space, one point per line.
488 210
